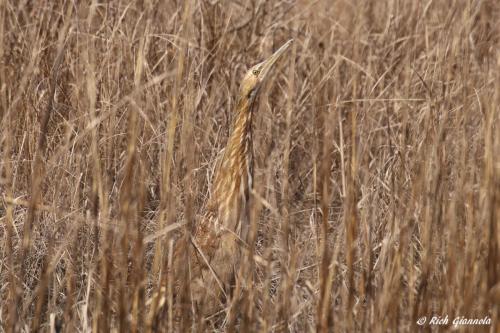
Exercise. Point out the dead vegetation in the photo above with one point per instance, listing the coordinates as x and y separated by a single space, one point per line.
377 193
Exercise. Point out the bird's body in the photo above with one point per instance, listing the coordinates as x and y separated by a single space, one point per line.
225 222
217 236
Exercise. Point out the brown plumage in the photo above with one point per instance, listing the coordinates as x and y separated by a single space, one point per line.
215 241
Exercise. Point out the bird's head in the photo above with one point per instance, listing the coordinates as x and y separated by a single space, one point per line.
256 76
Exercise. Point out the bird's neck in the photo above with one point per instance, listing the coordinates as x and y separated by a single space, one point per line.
238 156
233 178
240 140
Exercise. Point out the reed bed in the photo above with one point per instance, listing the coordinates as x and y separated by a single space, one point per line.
377 186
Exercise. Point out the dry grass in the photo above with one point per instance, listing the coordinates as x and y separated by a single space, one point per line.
377 193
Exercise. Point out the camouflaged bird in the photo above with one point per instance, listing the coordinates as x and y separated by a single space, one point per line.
217 237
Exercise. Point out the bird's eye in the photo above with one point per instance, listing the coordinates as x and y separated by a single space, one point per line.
255 72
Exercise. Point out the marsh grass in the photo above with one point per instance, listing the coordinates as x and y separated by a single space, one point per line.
377 188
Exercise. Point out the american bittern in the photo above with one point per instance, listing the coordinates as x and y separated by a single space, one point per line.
215 239
226 220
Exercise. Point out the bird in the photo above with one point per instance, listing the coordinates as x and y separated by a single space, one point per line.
217 236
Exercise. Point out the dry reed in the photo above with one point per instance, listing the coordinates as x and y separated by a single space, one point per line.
377 188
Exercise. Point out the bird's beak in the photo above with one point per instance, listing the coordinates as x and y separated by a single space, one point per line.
268 64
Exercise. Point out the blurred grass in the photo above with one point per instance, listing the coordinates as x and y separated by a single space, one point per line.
377 188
